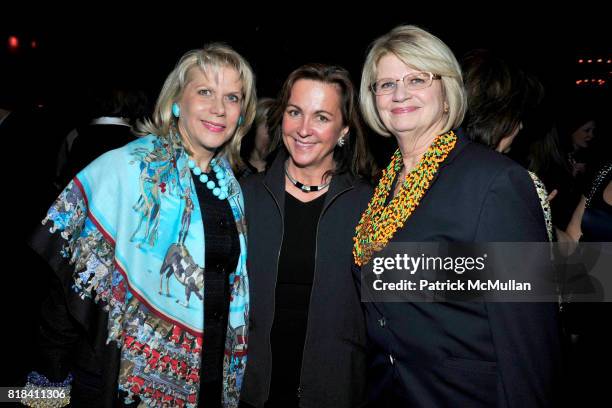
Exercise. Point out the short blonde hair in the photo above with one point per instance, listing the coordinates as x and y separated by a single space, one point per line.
215 56
422 51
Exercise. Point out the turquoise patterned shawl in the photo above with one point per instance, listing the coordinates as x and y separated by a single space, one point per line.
133 231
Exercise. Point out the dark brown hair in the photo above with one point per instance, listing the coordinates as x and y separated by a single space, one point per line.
499 96
353 157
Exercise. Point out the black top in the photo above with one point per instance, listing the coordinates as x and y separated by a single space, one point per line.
293 287
222 249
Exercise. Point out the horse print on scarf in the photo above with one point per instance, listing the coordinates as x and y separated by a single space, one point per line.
179 263
116 259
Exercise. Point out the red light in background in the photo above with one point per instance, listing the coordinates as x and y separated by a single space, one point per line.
34 44
13 42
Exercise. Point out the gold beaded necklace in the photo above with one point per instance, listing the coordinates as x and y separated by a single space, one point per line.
379 222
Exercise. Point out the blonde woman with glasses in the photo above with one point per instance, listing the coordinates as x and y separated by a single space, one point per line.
440 187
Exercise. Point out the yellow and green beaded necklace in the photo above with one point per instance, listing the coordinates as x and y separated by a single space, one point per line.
379 222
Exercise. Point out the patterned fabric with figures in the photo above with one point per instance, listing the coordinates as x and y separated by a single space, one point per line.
132 231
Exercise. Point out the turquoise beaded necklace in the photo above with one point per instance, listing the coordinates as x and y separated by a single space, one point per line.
220 191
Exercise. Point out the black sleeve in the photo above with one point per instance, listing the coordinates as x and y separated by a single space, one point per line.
57 336
526 336
58 331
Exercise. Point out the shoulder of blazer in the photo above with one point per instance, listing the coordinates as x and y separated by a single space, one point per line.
362 190
355 196
251 184
482 163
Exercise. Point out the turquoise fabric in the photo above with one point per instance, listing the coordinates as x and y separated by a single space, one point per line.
134 232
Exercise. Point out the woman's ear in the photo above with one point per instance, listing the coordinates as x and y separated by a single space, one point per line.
344 132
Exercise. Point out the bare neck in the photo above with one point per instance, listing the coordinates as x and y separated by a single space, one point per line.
200 155
202 160
413 148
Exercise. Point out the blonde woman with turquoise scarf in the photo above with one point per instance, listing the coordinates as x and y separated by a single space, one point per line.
148 245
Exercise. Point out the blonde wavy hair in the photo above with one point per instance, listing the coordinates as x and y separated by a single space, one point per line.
212 56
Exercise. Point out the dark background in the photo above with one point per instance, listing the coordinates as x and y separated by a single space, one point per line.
75 53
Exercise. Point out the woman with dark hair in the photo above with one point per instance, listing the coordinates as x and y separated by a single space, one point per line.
256 144
577 130
500 97
306 333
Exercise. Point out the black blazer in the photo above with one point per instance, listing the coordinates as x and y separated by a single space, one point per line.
468 354
334 365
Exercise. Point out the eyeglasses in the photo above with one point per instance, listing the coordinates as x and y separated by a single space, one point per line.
412 82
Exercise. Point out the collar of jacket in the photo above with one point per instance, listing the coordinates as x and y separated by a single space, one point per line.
274 181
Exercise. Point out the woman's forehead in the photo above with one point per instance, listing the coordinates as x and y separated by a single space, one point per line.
214 73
